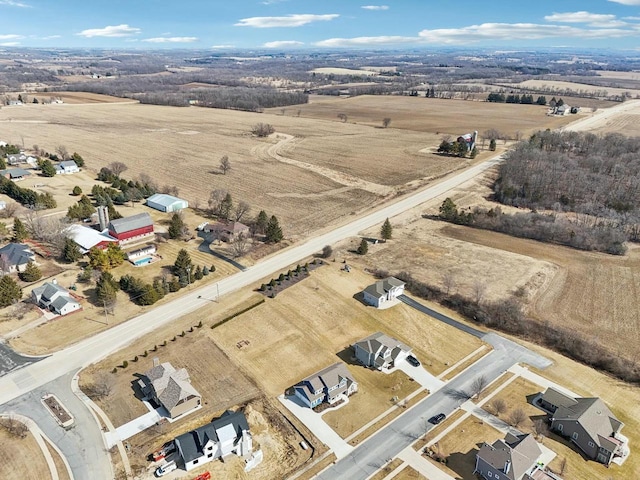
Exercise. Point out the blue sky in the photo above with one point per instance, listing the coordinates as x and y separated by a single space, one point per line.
294 24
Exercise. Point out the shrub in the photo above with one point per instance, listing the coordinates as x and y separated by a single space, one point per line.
262 129
125 364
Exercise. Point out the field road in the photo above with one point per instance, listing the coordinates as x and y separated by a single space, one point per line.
601 117
103 344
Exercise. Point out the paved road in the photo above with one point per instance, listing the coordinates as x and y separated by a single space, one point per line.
10 360
443 318
82 445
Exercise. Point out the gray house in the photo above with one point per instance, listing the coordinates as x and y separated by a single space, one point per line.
67 167
328 385
380 351
170 388
383 291
589 424
52 296
514 458
14 257
226 435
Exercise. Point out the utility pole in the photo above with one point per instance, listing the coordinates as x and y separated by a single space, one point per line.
189 275
217 292
106 313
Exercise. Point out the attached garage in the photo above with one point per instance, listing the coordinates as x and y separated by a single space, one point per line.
166 203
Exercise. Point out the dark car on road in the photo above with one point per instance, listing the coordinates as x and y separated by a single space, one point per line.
413 361
436 419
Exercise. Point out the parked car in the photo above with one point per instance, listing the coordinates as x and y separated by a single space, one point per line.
413 361
166 468
436 419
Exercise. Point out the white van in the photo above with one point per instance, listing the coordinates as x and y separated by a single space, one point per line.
166 468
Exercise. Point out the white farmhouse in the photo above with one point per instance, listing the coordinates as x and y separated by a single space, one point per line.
383 291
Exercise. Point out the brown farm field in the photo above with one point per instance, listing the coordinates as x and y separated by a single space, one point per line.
14 451
433 115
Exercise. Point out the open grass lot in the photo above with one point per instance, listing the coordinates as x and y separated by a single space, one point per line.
182 147
461 445
516 396
433 115
408 473
584 87
15 452
375 395
317 319
628 124
593 293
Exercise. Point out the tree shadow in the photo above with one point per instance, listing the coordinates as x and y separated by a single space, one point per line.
348 357
457 394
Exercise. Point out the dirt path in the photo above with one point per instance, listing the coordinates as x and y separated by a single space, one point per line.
603 117
284 140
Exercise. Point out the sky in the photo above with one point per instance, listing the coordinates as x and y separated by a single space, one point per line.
287 25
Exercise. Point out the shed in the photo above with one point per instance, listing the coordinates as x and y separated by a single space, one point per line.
166 203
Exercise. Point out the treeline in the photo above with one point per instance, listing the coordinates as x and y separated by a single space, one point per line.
508 316
26 196
586 233
511 98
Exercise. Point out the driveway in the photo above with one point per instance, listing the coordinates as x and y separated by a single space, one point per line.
420 375
318 427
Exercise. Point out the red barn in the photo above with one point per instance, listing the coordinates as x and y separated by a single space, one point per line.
132 228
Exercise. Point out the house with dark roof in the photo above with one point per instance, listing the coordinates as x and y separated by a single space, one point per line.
329 385
15 174
131 229
514 458
589 423
14 257
226 231
380 351
225 436
383 291
52 296
170 388
18 158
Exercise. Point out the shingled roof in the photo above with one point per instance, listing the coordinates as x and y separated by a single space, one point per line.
16 254
381 287
513 456
170 385
328 377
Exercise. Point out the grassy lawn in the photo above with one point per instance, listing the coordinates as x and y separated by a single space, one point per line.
464 365
515 396
435 431
408 473
15 451
63 473
461 445
318 467
375 393
387 469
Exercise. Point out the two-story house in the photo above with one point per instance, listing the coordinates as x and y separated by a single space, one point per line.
328 385
380 351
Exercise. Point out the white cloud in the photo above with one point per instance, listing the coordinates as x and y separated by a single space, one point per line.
223 46
51 37
171 39
282 44
12 3
10 36
375 7
273 2
293 20
592 19
516 31
123 30
626 2
365 41
9 44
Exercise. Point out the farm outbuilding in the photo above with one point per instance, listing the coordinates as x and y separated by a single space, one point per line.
130 229
166 203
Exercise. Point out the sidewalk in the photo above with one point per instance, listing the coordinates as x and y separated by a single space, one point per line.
420 375
422 465
318 427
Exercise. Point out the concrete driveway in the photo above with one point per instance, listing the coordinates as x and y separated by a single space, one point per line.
420 375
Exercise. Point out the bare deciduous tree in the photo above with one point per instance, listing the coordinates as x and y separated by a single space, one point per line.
262 129
48 230
15 427
479 290
343 117
225 164
517 417
62 152
102 386
541 428
146 179
170 190
492 134
239 245
118 168
215 200
449 282
242 209
386 122
478 385
499 406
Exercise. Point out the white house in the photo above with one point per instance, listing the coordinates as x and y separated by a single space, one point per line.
67 167
139 253
328 385
380 351
166 203
383 291
226 435
52 296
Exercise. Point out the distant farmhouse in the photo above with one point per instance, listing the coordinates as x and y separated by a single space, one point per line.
86 238
380 351
166 203
225 436
170 388
328 385
67 168
18 158
15 174
52 296
383 291
226 231
131 229
589 423
14 257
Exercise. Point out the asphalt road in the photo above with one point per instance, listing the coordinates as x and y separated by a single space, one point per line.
11 360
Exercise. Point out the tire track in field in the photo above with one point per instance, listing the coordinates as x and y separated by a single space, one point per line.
272 151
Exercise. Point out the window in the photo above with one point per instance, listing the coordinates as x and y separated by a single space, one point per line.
574 435
209 448
210 455
490 474
591 444
195 462
560 427
497 476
